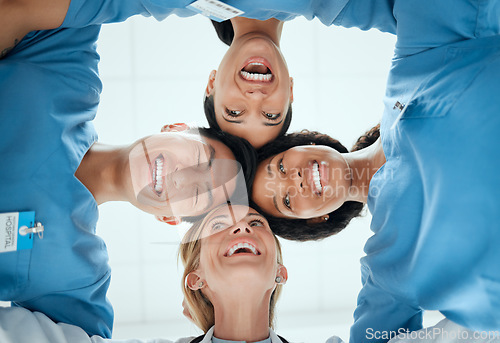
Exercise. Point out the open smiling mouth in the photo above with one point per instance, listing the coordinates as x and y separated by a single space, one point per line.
256 71
242 248
316 179
157 174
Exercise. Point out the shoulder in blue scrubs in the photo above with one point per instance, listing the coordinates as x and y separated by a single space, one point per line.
435 202
49 95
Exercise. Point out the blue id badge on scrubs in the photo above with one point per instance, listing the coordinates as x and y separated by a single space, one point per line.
16 231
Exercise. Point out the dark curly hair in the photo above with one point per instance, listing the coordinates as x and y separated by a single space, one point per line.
301 229
243 152
225 33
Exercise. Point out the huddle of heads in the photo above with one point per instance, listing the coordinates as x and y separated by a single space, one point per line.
182 175
295 184
235 245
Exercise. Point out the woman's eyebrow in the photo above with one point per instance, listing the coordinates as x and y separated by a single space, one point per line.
242 121
276 204
274 124
217 217
210 198
233 121
269 171
212 155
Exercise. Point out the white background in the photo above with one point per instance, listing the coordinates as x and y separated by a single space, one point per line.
154 74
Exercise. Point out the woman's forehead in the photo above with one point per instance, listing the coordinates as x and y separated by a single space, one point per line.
235 212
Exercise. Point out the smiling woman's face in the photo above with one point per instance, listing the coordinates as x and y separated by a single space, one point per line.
252 90
302 182
238 249
180 174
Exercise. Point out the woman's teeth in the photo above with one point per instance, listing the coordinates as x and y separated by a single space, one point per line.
244 246
316 177
256 75
157 175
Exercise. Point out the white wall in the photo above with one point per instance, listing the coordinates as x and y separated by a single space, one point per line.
154 74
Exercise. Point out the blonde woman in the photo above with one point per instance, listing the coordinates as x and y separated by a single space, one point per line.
233 276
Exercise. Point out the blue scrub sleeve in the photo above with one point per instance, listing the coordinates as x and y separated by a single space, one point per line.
326 11
88 304
364 14
368 14
82 13
379 316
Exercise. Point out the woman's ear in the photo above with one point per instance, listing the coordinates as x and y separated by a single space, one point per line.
291 89
177 127
211 83
194 281
282 274
317 220
169 220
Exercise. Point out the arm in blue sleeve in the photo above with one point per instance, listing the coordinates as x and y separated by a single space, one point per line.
379 316
87 307
368 14
82 13
364 14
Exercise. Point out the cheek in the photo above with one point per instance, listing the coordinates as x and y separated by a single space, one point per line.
206 261
307 208
265 134
182 208
240 130
270 133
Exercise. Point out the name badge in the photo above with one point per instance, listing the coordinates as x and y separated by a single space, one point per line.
215 9
17 231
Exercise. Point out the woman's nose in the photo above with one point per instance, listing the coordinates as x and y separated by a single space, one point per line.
184 177
240 228
256 92
297 181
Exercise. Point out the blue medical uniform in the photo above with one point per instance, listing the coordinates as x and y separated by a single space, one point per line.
364 14
49 93
435 202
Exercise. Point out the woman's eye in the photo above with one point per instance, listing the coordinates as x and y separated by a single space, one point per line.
256 222
219 226
286 202
281 167
272 116
233 113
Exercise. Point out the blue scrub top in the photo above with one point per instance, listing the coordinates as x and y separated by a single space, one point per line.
435 202
49 95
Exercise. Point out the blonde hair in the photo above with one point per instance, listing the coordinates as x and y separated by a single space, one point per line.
200 307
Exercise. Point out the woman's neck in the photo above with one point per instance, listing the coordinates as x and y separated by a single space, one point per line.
271 28
241 316
363 164
101 171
